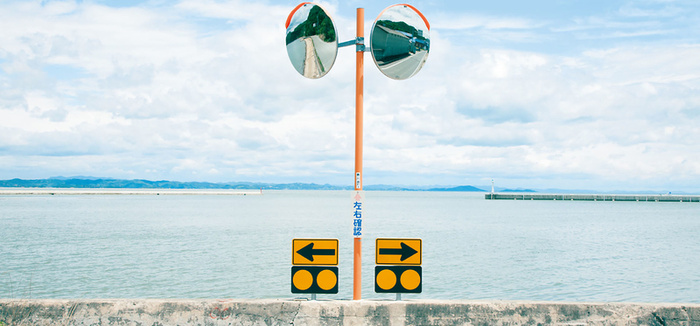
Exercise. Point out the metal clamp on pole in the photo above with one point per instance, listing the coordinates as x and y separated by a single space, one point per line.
360 44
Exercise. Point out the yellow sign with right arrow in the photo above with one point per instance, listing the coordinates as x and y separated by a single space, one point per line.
393 251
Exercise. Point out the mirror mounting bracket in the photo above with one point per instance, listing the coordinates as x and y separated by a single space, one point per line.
359 43
348 43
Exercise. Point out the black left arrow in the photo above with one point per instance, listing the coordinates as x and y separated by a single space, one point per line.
309 252
405 251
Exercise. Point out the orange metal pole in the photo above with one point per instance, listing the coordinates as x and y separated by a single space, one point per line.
359 93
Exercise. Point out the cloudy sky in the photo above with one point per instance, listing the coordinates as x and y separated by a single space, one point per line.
575 94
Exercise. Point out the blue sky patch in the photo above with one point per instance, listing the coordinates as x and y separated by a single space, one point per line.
64 72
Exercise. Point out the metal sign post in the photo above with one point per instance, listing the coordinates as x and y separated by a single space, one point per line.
400 43
359 93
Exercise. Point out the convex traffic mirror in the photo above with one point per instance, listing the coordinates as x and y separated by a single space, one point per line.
400 41
312 42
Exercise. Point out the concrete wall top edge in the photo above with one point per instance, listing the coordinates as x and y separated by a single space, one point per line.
337 312
332 301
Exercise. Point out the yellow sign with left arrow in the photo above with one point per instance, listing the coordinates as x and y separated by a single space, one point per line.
321 252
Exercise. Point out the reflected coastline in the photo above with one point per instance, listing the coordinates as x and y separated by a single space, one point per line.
312 43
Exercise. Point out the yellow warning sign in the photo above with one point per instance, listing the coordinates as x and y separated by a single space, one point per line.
392 251
398 279
314 279
315 252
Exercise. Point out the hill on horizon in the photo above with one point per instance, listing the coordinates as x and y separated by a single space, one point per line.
96 182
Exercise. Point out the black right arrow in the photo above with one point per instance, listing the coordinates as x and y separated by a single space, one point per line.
309 252
405 251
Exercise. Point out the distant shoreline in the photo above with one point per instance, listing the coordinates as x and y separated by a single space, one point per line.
122 191
106 183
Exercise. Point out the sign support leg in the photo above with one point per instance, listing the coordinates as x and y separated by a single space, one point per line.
359 94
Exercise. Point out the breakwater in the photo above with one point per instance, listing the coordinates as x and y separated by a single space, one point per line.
364 312
598 197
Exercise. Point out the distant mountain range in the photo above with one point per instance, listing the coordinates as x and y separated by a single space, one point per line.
93 182
97 182
459 188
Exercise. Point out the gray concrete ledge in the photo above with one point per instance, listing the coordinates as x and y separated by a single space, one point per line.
154 312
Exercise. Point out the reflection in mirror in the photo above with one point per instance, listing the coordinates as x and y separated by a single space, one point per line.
312 44
400 41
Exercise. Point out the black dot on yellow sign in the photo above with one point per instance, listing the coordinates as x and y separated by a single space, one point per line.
311 279
398 279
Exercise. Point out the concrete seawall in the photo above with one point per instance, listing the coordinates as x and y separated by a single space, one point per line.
154 312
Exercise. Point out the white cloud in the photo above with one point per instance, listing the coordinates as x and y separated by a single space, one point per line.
457 21
633 10
204 91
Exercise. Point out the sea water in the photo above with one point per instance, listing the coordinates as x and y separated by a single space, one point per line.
214 246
